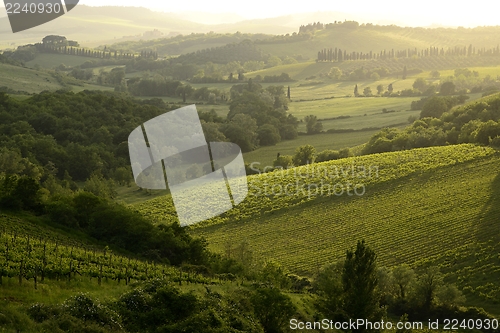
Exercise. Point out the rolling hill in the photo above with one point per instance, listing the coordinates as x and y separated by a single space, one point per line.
424 205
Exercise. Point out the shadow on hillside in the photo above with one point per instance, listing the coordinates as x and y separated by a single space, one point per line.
489 219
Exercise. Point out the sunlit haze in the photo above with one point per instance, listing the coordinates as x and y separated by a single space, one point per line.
422 13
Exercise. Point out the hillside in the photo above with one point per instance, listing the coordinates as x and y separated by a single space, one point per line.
27 80
434 205
368 37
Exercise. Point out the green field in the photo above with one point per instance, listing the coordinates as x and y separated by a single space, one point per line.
330 88
26 79
266 155
349 106
46 60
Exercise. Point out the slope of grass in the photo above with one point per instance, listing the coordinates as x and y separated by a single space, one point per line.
266 155
46 60
350 106
379 38
25 79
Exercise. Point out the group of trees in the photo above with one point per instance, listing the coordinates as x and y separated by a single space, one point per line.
242 51
354 288
73 49
306 154
339 55
357 288
258 116
73 135
440 124
174 45
362 73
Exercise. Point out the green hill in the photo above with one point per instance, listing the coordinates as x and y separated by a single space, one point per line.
423 204
50 61
27 80
375 38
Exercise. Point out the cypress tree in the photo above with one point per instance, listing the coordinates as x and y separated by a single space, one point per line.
359 281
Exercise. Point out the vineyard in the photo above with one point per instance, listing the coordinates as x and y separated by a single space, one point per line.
445 212
31 253
434 205
268 192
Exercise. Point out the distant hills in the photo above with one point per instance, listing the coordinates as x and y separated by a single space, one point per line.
93 26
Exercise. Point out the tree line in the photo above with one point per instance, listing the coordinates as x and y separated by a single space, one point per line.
339 55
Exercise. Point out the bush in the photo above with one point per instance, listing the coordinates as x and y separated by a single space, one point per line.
328 155
305 154
283 161
42 312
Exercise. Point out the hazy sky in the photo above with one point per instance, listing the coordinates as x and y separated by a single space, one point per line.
417 12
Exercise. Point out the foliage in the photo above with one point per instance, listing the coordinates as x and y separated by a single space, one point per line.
359 280
273 309
283 161
313 125
433 107
304 155
51 131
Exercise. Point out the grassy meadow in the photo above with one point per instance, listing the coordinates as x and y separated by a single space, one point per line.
266 155
26 79
50 61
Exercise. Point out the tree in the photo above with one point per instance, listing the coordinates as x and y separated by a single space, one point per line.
268 135
359 280
242 130
433 107
304 155
273 309
335 73
403 277
356 93
420 84
313 126
123 176
273 275
447 88
283 161
328 285
288 93
427 285
273 61
405 73
100 187
367 91
435 74
375 76
380 89
212 132
390 89
449 296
